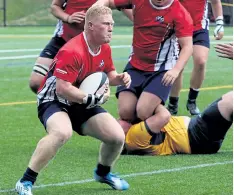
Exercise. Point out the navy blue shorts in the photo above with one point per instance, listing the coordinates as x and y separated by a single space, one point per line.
145 82
52 48
201 37
78 113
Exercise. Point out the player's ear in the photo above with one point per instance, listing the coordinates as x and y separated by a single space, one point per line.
90 25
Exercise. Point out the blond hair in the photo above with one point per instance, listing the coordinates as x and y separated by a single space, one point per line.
96 11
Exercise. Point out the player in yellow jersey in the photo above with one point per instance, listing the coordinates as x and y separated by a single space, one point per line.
202 134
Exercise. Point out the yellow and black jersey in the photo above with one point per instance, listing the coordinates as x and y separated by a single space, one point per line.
172 139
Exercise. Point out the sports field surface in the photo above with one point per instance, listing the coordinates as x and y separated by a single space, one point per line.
71 171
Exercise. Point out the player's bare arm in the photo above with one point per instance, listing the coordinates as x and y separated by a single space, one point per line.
218 15
186 45
58 12
111 3
119 79
68 91
128 13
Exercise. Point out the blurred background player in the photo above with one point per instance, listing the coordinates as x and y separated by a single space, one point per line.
203 134
62 107
198 10
154 63
71 16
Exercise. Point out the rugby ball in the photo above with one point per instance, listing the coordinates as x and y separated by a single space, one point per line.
96 83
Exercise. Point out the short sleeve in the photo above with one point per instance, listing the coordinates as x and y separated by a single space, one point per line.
67 66
183 23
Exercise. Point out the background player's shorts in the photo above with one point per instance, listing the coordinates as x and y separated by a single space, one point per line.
145 81
77 113
52 48
201 37
207 131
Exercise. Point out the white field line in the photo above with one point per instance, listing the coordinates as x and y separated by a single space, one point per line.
130 175
34 56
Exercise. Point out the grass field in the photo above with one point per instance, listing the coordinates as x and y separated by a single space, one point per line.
71 170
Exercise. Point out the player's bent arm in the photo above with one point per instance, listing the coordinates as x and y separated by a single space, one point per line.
57 11
108 3
71 93
186 44
113 78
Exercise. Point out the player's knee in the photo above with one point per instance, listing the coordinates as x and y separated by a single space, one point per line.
126 113
200 64
62 137
117 139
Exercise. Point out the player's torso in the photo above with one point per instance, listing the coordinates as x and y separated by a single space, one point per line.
198 10
71 30
154 39
85 62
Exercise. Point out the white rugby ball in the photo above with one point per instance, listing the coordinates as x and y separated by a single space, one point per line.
95 83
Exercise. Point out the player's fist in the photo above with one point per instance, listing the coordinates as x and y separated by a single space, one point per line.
219 30
125 79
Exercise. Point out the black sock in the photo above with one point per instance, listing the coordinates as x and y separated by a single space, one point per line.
29 175
173 101
102 170
192 95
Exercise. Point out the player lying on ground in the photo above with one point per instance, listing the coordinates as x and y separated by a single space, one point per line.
202 134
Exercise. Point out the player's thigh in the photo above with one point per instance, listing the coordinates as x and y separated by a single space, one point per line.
104 127
59 124
225 105
200 55
127 105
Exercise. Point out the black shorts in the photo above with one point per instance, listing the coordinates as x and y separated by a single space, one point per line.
52 48
150 82
207 131
78 113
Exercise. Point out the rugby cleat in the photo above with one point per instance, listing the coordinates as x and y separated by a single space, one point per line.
24 188
173 109
192 108
112 180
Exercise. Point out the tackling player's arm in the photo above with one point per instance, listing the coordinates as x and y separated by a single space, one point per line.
218 15
115 3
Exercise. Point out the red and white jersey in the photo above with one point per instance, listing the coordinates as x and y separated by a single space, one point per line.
74 62
68 31
198 10
155 44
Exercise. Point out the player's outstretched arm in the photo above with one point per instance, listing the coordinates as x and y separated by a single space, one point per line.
225 50
116 79
218 15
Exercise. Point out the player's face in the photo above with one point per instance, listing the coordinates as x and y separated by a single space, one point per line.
161 3
103 28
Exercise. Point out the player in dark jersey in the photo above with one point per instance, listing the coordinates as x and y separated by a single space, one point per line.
63 107
155 62
198 10
203 134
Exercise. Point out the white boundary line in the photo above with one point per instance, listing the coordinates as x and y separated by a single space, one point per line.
130 175
34 56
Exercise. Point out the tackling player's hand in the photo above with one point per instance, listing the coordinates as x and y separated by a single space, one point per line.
91 100
170 77
76 17
219 30
125 79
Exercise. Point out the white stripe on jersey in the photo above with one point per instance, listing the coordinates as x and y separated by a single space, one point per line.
48 92
58 29
167 55
205 20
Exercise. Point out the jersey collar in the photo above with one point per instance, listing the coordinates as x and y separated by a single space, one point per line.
90 51
165 7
